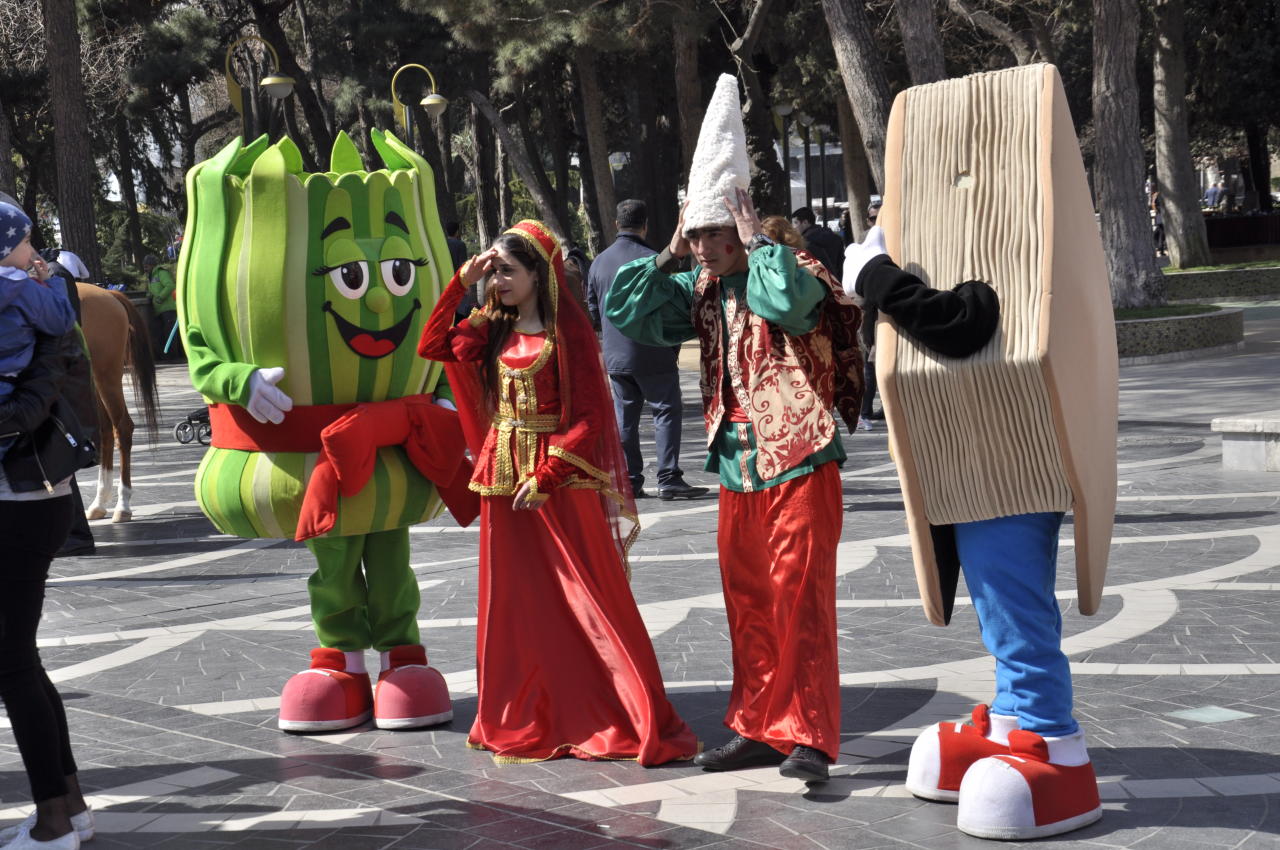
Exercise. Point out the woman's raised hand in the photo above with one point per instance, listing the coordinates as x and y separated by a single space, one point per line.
478 266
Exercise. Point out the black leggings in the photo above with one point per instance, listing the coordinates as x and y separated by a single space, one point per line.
30 534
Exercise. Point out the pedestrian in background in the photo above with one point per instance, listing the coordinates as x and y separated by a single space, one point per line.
639 373
822 243
164 303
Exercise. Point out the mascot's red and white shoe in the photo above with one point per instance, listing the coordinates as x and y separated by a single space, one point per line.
942 753
409 693
1044 786
325 697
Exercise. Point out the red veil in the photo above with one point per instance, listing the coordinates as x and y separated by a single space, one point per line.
582 387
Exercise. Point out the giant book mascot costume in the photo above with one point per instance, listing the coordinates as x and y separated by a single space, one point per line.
301 297
1001 397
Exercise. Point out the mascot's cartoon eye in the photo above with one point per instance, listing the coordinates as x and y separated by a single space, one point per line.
350 279
398 275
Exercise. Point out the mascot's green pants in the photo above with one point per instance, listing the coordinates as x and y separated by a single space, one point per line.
375 607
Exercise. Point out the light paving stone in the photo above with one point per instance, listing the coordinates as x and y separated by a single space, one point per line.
1177 788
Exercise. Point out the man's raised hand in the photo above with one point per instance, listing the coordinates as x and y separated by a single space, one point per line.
679 246
744 215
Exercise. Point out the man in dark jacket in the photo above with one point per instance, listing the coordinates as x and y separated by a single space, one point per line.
639 373
820 241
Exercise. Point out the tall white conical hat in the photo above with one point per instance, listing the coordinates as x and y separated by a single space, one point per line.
720 164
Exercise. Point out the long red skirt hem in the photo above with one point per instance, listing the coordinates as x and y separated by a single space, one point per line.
564 663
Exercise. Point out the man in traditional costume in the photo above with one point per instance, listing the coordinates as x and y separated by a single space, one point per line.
300 297
1001 402
771 373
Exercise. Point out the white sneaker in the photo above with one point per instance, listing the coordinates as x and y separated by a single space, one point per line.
23 841
865 424
81 823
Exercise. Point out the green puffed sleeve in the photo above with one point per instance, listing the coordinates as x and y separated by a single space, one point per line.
651 306
782 293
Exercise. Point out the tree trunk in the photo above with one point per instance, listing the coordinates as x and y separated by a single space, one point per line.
685 35
596 137
857 186
304 29
1259 163
556 132
921 41
546 203
445 204
1136 280
641 180
587 183
487 222
652 146
78 177
8 177
30 194
502 179
862 70
128 189
1175 177
268 22
449 176
188 130
295 132
769 184
533 156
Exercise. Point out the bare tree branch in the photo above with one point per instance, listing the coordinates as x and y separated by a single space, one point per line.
1022 51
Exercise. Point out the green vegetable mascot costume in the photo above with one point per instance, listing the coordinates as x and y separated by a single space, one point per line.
301 297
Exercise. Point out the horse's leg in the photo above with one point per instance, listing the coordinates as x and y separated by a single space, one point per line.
120 428
106 449
124 435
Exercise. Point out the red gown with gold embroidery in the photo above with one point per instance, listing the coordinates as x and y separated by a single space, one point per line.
564 664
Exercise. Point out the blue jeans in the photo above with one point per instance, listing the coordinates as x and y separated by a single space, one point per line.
1009 566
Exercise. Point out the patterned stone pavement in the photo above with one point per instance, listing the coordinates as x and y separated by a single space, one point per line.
171 643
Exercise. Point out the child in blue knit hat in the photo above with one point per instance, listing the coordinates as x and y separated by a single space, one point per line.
27 305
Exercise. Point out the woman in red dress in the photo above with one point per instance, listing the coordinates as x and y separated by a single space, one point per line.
563 662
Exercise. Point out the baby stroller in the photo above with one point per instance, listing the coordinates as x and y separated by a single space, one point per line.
194 427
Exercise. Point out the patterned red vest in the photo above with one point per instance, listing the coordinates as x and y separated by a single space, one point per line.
785 384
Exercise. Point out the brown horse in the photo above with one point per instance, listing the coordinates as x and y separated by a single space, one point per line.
117 337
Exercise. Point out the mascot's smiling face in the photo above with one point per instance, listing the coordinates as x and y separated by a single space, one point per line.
372 280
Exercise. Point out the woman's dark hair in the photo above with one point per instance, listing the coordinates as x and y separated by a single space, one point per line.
503 318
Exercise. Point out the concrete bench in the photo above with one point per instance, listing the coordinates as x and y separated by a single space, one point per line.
1250 442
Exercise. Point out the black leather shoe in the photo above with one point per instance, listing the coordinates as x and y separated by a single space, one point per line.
639 493
680 491
738 753
71 549
805 763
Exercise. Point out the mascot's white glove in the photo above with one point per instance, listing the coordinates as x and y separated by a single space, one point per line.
857 255
266 402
